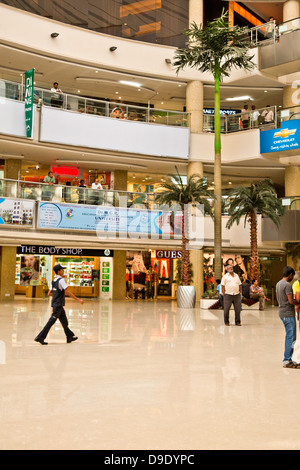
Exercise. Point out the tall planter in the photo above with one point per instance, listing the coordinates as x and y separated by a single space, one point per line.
186 296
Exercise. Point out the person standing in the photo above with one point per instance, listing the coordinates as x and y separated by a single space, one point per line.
149 283
232 294
286 303
58 292
81 192
245 117
96 186
47 191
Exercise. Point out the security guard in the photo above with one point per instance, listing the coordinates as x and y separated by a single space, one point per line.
58 292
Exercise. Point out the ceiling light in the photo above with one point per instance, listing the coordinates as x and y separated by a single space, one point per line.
135 84
168 61
240 98
113 48
54 35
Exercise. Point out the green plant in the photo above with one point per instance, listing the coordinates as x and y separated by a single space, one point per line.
247 203
183 195
216 48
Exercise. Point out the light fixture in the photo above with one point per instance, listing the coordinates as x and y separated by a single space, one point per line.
54 35
240 98
113 48
168 61
135 84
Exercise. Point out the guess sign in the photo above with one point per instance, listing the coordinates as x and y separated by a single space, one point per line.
168 254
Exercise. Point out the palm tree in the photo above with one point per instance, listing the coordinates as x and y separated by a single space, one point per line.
259 198
179 194
217 48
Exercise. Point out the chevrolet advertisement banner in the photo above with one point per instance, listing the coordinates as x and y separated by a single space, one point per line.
281 140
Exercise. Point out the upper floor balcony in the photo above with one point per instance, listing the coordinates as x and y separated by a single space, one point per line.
76 121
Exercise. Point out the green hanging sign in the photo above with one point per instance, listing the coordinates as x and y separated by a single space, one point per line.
29 82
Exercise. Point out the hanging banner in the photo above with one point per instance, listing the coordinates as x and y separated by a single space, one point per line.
29 82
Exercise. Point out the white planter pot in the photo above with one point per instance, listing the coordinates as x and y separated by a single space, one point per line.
186 296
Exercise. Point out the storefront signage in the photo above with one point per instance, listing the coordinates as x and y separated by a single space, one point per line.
53 250
281 140
168 254
29 82
65 171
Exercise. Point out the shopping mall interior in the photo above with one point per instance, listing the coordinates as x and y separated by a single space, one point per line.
94 121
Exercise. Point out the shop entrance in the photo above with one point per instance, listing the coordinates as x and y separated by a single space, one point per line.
151 274
88 275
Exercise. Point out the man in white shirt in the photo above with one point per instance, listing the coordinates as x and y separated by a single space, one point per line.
232 291
96 186
56 98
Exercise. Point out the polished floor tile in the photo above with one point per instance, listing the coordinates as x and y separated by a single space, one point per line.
145 375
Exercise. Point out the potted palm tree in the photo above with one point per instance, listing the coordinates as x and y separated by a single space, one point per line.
247 203
216 48
193 193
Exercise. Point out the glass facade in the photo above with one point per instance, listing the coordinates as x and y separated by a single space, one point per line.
154 21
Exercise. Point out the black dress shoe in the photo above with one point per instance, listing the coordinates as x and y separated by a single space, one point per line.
73 338
39 340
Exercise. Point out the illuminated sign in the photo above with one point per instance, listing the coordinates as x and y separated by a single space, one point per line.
65 171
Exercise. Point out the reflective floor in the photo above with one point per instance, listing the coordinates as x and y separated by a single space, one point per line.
144 375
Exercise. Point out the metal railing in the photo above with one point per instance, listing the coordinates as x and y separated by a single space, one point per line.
73 194
81 104
251 119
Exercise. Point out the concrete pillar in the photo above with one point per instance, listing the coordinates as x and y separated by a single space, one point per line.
119 275
196 259
196 11
120 180
195 168
291 10
292 181
194 105
12 168
7 272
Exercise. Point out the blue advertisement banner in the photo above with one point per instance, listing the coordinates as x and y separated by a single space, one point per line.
283 139
103 219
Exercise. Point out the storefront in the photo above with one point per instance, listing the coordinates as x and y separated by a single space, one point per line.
88 272
156 266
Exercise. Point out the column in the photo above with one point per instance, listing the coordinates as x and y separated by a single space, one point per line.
119 275
12 168
120 180
7 272
196 11
291 10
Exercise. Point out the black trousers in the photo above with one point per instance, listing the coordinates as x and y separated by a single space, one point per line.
58 314
236 300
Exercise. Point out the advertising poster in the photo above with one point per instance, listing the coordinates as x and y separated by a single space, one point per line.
29 83
30 270
16 212
283 139
103 219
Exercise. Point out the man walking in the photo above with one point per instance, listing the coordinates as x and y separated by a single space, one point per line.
286 302
58 292
232 294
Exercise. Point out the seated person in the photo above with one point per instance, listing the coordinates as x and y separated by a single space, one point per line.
257 292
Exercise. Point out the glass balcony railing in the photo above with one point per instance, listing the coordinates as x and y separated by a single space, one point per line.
81 104
251 119
73 194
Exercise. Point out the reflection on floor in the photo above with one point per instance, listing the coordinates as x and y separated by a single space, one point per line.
145 375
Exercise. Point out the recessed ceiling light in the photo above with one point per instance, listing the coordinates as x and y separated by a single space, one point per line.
116 92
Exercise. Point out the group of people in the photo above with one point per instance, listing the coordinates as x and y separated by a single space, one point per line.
231 291
253 118
50 180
